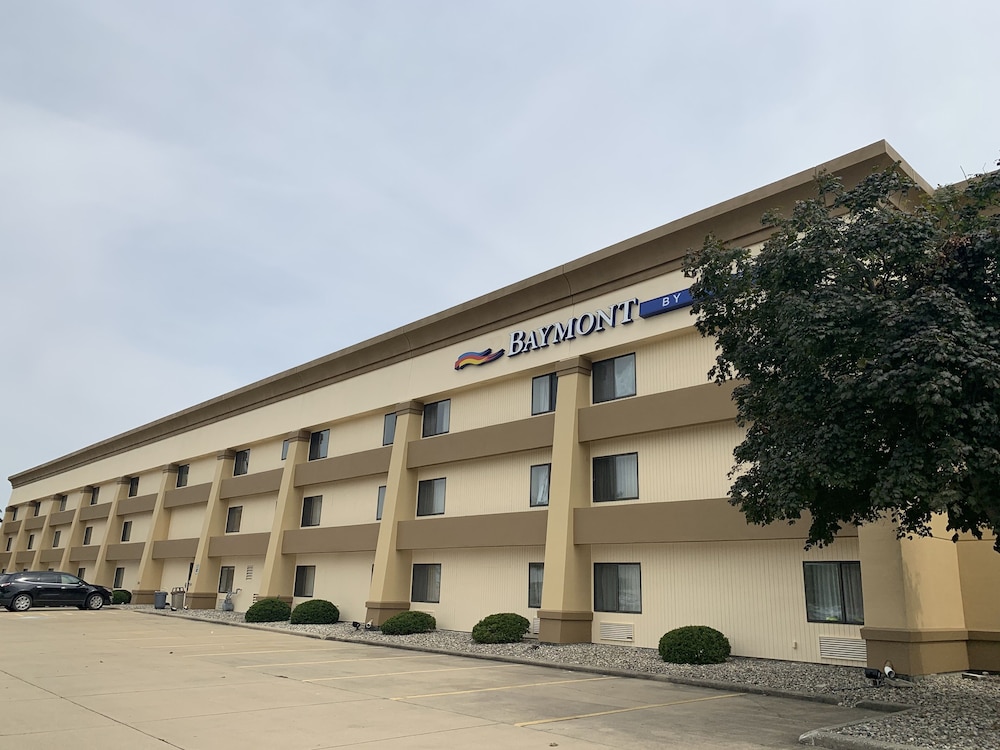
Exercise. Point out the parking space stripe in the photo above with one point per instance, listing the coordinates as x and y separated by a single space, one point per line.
626 710
334 661
506 687
246 653
414 671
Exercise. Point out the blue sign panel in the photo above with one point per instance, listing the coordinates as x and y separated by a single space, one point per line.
666 303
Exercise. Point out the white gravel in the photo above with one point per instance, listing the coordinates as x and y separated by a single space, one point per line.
947 711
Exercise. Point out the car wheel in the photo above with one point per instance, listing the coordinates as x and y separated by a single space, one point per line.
95 601
20 603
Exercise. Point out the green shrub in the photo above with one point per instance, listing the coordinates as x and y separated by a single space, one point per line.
315 612
406 623
505 627
694 644
121 596
268 610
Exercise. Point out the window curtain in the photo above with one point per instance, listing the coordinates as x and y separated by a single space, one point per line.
823 592
629 588
535 577
540 484
854 605
605 587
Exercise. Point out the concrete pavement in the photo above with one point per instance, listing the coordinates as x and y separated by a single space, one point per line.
119 679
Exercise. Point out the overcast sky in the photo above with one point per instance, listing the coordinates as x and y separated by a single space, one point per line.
196 195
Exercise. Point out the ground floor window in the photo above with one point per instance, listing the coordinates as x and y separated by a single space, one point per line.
426 583
536 573
833 592
227 575
119 577
617 587
305 580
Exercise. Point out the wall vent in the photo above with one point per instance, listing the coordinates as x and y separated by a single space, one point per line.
617 631
848 649
535 625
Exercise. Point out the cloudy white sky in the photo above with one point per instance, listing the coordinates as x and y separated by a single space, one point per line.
196 195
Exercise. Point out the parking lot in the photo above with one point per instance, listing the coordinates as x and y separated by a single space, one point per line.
122 679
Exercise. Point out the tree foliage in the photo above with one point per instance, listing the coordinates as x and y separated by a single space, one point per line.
865 340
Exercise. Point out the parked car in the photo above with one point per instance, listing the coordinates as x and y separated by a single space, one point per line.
19 592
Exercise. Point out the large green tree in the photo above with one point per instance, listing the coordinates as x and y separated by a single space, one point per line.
865 339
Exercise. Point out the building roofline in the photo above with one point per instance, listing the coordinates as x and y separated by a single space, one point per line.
649 254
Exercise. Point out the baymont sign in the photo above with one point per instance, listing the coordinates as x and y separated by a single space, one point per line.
618 314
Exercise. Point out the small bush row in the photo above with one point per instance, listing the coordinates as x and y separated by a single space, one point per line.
312 612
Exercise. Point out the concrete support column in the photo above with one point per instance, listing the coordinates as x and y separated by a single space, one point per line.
914 614
204 593
104 573
567 609
150 569
278 579
390 588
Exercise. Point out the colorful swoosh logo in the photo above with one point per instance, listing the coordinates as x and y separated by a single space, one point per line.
477 358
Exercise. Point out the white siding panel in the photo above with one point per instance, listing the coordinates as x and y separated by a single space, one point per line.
753 592
343 578
479 582
346 503
492 403
356 435
498 484
248 589
678 361
258 513
186 521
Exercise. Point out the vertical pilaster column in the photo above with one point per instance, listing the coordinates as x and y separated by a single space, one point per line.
914 613
151 569
104 573
204 593
390 588
567 610
74 533
279 570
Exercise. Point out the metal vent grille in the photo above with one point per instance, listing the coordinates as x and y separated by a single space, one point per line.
617 631
535 625
849 649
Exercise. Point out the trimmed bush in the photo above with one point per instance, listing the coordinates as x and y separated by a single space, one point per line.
268 610
121 596
694 644
505 627
406 623
315 612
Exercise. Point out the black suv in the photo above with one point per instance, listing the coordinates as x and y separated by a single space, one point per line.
19 592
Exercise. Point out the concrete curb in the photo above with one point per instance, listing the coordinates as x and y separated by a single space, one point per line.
823 737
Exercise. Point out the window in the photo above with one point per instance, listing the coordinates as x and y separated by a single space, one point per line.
437 417
36 508
389 429
543 393
13 514
540 484
56 537
312 507
227 574
305 579
133 486
81 573
241 465
536 572
62 503
126 531
616 477
381 503
233 519
87 534
10 541
182 475
833 592
430 497
119 578
426 585
613 378
319 444
284 448
31 541
94 492
617 587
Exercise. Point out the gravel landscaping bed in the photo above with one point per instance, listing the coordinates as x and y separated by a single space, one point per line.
947 711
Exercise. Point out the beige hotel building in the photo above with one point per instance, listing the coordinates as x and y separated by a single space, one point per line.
552 448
